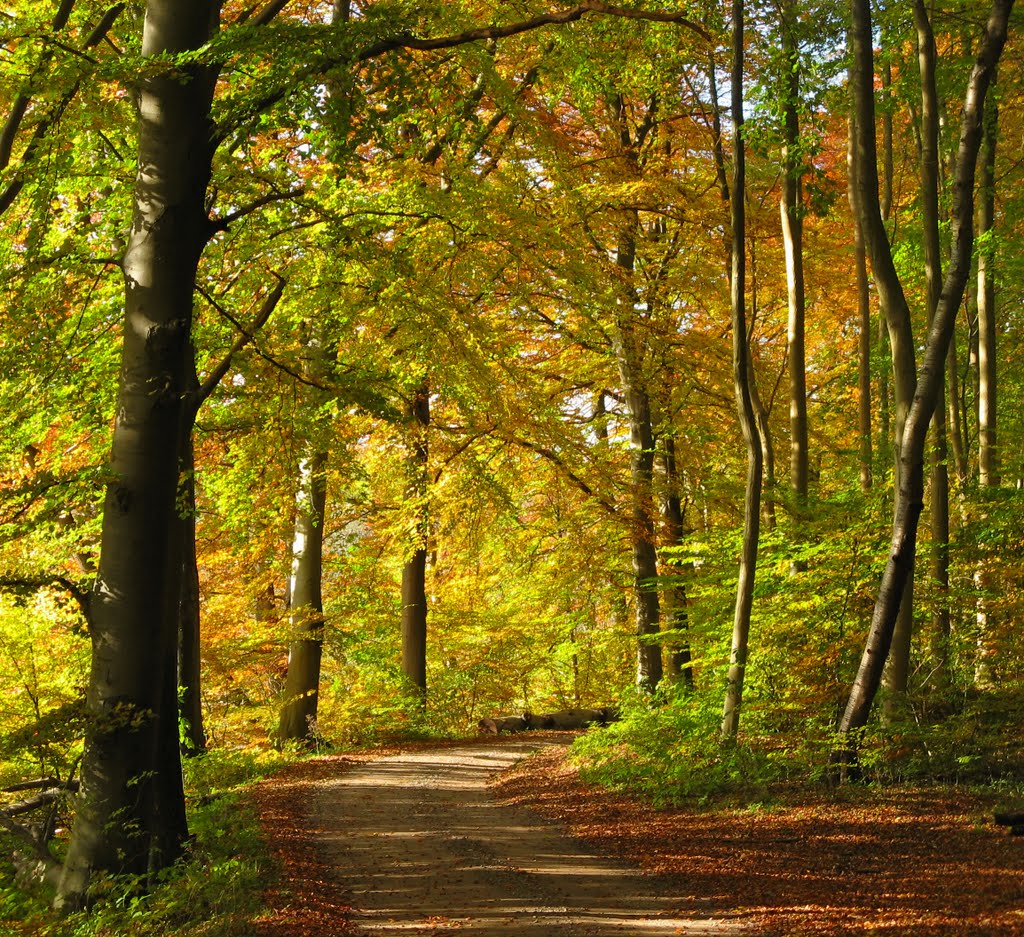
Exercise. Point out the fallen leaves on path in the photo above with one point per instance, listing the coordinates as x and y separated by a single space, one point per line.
306 903
921 862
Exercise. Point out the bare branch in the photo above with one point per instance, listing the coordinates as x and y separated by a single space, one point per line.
41 784
42 799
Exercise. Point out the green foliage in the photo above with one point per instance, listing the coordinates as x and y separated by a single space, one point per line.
670 751
215 891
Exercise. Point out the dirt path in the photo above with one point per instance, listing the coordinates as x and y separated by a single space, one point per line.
421 847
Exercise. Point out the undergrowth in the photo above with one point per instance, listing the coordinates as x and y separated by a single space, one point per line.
215 891
669 750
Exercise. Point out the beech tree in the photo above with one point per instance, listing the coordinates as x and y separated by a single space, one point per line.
131 809
909 502
741 382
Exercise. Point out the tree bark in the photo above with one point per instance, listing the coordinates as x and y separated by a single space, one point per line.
791 211
120 820
629 358
863 317
988 453
988 458
414 572
679 667
306 604
891 299
909 503
741 383
939 489
190 708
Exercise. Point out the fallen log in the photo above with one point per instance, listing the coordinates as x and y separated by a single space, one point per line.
499 724
563 720
42 799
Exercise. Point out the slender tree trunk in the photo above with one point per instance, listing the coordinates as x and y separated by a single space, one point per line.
414 572
863 317
679 666
189 703
120 824
956 420
306 604
741 383
641 432
762 416
909 502
988 453
791 211
933 278
886 450
988 459
893 304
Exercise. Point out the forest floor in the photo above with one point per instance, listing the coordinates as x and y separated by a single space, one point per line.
473 836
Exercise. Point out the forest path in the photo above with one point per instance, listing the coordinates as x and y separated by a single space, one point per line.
421 847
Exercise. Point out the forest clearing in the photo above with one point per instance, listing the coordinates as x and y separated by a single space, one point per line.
379 373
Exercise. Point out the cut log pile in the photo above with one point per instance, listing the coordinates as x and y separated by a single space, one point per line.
565 719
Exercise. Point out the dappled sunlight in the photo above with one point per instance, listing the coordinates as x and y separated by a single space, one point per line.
420 846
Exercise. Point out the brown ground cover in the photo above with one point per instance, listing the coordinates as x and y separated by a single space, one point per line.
923 863
920 862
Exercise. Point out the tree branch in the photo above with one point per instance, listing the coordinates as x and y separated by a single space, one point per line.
556 18
81 595
247 335
221 224
555 459
417 44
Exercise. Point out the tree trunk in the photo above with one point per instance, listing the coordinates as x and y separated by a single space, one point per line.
306 605
892 301
188 683
909 503
933 278
988 454
414 572
679 666
741 383
863 316
641 466
120 824
988 460
791 211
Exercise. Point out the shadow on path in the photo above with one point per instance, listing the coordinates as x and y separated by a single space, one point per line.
421 848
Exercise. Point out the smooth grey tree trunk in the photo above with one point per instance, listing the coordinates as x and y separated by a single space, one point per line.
628 356
678 666
129 765
306 604
939 488
988 459
909 503
988 452
741 384
791 212
863 318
